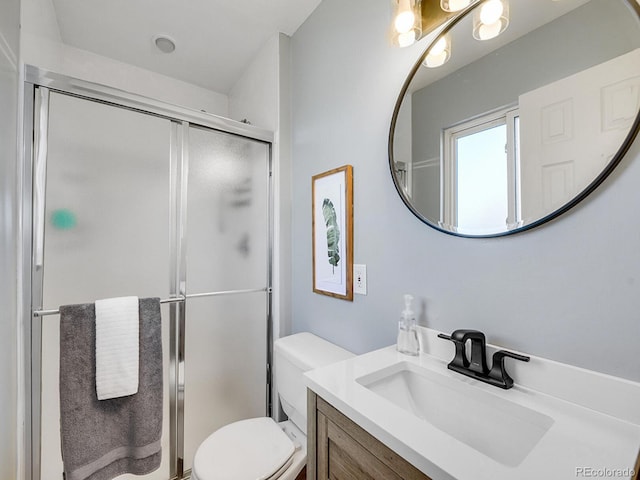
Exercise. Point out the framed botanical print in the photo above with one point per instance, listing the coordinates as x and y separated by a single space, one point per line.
332 232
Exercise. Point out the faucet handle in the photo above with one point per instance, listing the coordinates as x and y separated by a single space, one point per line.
463 334
498 371
460 358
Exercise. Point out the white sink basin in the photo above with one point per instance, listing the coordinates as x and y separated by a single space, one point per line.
495 427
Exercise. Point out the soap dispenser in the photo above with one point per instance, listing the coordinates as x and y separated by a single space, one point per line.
407 332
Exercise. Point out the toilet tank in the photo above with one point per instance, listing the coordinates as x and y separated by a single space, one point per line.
294 355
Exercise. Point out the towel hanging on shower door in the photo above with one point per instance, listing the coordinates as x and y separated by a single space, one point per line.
102 439
117 347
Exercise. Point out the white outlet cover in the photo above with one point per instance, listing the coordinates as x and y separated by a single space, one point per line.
360 279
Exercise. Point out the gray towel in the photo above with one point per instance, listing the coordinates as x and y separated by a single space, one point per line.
102 439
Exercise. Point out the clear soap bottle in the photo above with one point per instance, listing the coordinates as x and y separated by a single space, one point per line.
407 333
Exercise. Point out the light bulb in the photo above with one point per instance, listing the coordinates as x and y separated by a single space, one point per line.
454 5
491 12
406 39
439 46
491 19
433 61
405 19
487 32
439 53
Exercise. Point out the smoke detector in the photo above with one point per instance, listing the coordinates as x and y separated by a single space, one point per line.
164 43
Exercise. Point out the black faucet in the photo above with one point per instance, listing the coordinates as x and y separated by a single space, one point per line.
476 367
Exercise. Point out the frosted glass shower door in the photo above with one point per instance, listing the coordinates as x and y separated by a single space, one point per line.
227 256
107 232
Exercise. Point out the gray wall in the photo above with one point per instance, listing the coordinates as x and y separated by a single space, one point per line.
9 39
569 290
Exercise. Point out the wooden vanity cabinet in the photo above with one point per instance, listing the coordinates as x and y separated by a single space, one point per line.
338 449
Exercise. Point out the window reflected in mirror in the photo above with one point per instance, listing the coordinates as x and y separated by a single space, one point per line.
480 191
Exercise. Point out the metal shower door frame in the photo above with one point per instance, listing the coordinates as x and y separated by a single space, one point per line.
38 84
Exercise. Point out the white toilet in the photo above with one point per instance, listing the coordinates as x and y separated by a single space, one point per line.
260 448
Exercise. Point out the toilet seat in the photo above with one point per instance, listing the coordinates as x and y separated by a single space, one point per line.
254 449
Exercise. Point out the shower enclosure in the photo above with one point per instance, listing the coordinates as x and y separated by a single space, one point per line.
126 196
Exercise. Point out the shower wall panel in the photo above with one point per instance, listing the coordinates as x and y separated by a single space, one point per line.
227 207
225 365
227 252
106 231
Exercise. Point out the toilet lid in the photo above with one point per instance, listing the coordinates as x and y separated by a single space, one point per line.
251 449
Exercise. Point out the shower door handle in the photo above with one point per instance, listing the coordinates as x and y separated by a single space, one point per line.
40 173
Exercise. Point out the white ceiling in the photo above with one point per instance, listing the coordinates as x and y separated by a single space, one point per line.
215 39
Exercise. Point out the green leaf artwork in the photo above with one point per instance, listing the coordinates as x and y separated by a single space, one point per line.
333 232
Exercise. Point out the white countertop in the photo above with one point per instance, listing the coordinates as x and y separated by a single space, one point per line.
579 438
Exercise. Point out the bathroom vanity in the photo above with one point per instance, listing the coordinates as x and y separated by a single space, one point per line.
385 415
339 448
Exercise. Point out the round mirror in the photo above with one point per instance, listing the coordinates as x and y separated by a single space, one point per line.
516 112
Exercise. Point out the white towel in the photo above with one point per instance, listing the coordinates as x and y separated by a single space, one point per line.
117 347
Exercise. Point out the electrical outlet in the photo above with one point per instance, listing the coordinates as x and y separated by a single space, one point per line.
360 279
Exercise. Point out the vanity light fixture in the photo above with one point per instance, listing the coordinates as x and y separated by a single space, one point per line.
491 19
406 25
412 17
439 53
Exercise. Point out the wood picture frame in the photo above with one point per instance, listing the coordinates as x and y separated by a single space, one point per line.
332 232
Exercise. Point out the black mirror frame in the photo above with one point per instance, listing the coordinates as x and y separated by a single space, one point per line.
613 163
